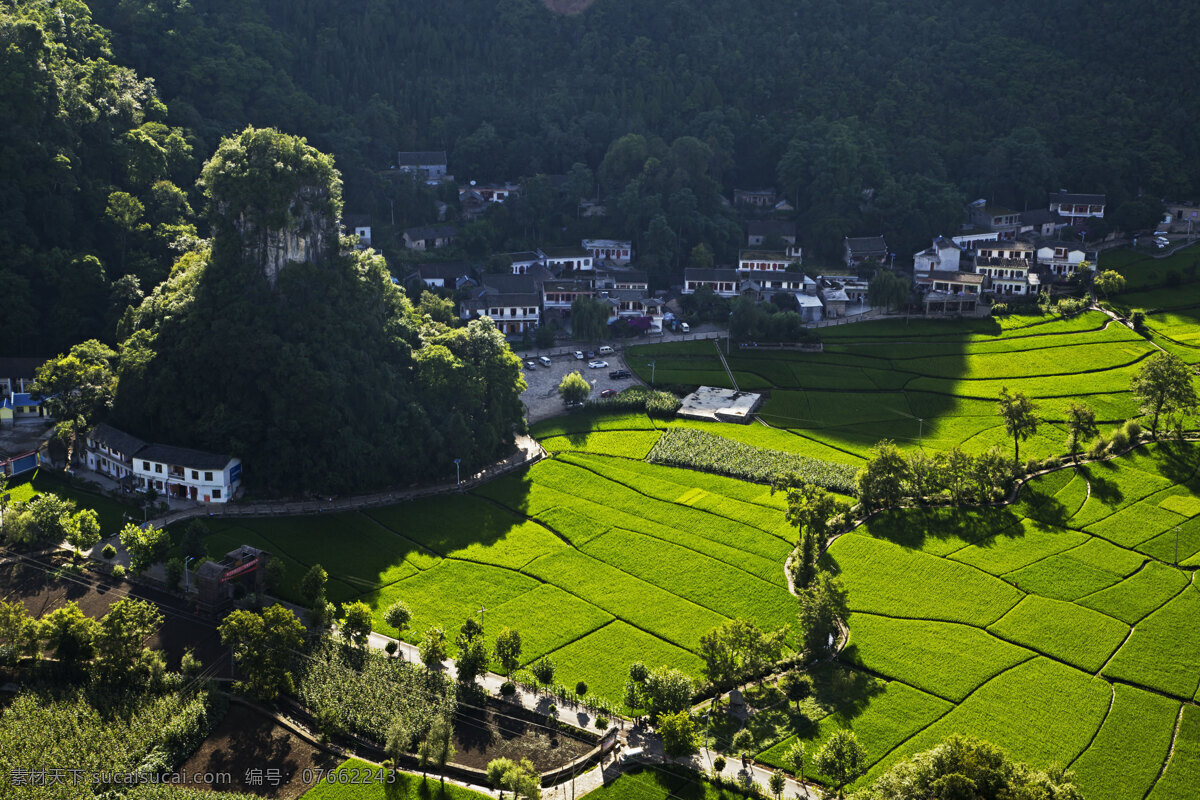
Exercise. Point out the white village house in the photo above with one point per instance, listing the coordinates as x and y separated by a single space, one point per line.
176 472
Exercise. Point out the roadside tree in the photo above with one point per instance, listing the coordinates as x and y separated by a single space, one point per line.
574 388
842 759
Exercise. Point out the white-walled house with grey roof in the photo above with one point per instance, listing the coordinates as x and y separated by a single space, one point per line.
179 473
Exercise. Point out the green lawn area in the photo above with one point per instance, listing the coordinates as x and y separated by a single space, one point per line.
1125 759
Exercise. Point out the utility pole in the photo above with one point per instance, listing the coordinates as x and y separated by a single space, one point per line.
651 366
458 473
1177 545
920 433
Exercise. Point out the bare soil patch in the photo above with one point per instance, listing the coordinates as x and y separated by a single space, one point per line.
503 731
44 586
247 740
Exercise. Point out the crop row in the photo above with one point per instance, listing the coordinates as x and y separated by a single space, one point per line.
704 451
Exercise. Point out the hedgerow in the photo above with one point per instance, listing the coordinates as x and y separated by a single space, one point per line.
682 447
638 398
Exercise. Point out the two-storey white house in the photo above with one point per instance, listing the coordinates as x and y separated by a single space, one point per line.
176 472
186 474
1060 259
1005 265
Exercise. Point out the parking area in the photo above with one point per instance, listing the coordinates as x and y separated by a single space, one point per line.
541 398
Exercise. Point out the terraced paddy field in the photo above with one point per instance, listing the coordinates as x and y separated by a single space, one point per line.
930 382
1058 628
598 561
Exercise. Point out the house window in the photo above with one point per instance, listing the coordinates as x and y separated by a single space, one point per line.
208 476
146 466
216 494
195 475
158 467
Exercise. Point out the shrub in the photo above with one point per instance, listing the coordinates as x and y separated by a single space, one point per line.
1118 441
109 551
391 647
601 723
1098 448
656 403
743 741
719 764
118 572
508 689
1070 306
581 688
1133 430
999 309
1138 318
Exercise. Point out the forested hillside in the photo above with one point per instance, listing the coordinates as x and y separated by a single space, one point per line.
923 101
870 117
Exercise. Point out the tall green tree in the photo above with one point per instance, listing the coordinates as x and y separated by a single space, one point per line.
1163 385
822 610
842 759
264 646
881 480
1081 425
574 388
508 650
1020 418
78 386
123 632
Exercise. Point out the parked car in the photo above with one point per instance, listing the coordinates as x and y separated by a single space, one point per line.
605 350
632 754
597 364
685 328
575 404
618 374
608 392
545 361
591 354
579 354
531 364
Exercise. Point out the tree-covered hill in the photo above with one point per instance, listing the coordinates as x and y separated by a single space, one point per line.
277 344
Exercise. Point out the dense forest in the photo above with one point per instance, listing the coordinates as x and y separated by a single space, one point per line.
869 117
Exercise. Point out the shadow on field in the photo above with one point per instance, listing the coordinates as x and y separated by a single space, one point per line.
915 527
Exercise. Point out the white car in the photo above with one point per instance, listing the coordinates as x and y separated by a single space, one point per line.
579 354
597 365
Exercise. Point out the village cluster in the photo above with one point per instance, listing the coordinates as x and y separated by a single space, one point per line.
1000 254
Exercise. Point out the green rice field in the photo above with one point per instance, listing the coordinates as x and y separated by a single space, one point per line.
930 382
1068 639
1061 627
597 560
